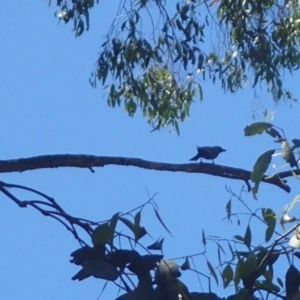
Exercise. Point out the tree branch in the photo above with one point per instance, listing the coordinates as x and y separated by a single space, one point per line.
53 210
91 161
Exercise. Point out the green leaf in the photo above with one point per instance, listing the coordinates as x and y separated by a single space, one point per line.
80 28
256 128
137 218
113 223
219 255
260 167
292 281
144 263
102 234
101 269
137 230
248 237
81 275
280 282
270 218
185 265
227 275
231 250
156 245
121 257
212 271
200 92
237 273
80 255
228 209
273 132
203 238
176 127
248 268
128 223
87 19
249 265
268 275
161 221
267 286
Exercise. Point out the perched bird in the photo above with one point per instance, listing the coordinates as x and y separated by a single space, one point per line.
287 153
208 153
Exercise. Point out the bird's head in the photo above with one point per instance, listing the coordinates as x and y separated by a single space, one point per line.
219 149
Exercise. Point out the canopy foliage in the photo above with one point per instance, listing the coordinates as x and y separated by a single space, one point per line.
157 54
159 65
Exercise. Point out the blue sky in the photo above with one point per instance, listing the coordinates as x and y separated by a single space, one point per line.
49 107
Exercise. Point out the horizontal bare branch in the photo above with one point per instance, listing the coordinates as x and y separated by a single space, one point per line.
91 161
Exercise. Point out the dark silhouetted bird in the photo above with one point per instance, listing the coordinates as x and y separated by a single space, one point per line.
208 153
287 153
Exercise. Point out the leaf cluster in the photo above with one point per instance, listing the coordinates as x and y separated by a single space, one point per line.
157 278
263 161
265 36
155 60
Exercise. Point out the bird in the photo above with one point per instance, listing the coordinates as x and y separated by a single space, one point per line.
287 152
208 153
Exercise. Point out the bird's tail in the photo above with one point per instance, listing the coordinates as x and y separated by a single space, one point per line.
196 157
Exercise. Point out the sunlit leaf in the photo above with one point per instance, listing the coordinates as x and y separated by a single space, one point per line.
260 167
256 128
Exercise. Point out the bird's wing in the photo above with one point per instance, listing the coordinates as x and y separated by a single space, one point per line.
196 157
207 151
